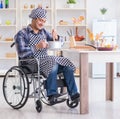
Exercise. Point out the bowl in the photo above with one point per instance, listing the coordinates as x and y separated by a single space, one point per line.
54 44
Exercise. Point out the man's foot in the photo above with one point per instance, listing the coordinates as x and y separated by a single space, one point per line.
75 97
53 99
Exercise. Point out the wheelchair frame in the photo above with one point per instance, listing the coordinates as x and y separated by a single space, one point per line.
16 87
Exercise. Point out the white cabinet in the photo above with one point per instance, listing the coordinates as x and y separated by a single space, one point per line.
8 28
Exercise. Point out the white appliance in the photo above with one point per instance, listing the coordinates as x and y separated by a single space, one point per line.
109 29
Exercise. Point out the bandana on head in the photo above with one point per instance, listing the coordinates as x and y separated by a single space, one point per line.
38 13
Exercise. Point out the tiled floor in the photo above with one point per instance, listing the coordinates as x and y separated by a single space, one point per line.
98 107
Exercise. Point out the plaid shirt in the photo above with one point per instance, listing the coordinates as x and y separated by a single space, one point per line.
22 39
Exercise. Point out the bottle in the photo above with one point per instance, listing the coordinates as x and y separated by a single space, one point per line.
1 4
6 3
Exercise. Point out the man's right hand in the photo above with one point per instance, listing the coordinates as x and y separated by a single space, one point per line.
41 44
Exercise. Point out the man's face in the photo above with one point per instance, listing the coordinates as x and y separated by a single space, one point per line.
39 23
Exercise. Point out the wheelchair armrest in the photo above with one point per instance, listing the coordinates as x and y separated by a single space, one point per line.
27 59
29 65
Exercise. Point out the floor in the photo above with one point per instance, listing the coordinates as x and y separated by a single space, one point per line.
98 107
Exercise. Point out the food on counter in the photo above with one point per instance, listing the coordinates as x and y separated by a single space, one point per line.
77 21
47 6
84 47
93 37
90 35
62 22
8 22
98 35
25 6
9 39
10 55
81 18
32 6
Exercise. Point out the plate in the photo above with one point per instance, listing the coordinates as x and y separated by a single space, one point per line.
105 48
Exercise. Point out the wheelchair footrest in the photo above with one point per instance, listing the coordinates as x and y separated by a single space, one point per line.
56 101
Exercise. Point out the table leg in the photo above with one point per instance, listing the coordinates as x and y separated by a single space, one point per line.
109 81
84 83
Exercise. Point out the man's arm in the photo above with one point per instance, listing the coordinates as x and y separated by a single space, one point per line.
22 44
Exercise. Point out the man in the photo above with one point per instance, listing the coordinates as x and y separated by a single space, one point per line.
32 42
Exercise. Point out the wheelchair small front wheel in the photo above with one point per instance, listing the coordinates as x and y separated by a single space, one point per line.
16 87
38 106
72 104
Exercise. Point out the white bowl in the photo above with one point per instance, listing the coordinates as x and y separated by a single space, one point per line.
54 44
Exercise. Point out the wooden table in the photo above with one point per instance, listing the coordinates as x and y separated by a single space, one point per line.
86 57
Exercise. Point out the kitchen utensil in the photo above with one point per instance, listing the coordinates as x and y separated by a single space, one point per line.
72 42
54 44
76 34
70 32
105 48
77 37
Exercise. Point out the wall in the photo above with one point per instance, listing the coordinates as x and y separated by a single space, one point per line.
94 6
113 12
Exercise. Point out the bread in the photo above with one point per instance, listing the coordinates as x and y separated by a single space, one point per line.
61 22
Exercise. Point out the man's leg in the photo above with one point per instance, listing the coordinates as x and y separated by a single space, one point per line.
52 87
70 81
52 81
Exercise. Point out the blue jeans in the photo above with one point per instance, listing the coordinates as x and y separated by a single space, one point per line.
68 76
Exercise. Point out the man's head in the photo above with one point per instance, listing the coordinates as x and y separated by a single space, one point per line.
38 16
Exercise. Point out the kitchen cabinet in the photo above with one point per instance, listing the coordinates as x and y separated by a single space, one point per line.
8 28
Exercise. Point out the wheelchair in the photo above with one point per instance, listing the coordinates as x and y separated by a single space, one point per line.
26 81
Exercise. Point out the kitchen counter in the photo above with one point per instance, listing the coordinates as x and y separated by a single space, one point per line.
86 57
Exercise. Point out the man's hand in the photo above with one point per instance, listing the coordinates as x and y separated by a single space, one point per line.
54 34
41 44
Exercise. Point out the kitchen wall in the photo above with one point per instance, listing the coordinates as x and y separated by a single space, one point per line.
94 6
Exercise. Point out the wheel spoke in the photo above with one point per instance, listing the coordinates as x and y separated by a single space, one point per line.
16 87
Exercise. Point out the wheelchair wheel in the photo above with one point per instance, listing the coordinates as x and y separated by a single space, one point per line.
16 87
38 106
72 104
